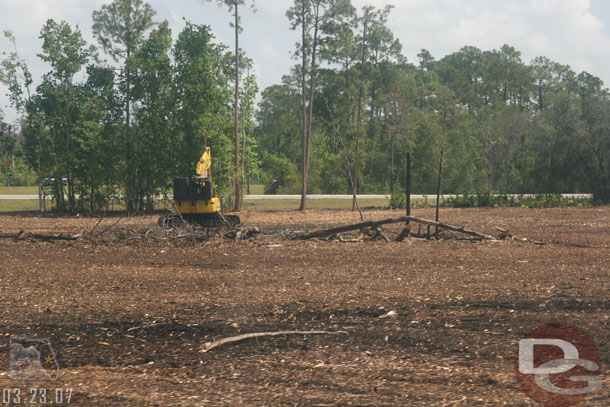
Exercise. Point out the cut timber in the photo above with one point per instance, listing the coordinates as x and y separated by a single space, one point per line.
211 345
374 224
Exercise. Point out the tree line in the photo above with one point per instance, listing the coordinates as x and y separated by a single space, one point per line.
353 106
341 121
134 122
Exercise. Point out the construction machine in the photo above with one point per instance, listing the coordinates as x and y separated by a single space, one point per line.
195 201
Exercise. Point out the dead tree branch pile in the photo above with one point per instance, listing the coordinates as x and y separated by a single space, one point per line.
376 224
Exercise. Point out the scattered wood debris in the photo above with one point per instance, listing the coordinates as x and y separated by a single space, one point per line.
191 232
389 314
211 345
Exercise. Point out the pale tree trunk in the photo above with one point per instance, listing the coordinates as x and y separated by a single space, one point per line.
308 125
130 187
393 147
237 206
303 111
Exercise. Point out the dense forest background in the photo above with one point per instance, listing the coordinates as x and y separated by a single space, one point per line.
344 117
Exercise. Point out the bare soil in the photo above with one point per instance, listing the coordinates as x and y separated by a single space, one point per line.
460 307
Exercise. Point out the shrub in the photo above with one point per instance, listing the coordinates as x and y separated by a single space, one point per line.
280 175
398 200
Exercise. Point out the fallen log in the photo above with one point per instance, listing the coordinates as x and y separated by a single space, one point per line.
211 345
362 225
374 224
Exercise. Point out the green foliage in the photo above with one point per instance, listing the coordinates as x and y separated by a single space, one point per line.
398 200
21 174
505 126
529 201
74 132
352 108
119 27
602 196
280 176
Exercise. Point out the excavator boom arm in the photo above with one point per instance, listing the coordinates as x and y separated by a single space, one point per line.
205 164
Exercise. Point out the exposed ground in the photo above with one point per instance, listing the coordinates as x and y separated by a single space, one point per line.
461 309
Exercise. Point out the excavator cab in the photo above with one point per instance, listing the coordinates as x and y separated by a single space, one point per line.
194 200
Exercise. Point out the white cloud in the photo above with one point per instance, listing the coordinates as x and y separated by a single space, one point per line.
563 30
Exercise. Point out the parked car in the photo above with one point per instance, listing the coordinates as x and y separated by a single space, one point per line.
51 181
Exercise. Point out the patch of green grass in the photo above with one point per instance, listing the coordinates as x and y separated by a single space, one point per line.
19 190
535 201
23 205
17 205
257 189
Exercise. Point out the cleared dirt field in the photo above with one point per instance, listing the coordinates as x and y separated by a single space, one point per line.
461 309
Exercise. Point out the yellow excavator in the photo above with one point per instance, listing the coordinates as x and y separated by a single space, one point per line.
195 202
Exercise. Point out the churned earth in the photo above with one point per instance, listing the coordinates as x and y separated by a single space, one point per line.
128 319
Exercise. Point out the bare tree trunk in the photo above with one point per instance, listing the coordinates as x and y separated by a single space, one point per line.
237 206
438 188
408 184
130 190
41 203
406 232
392 150
312 80
303 111
358 119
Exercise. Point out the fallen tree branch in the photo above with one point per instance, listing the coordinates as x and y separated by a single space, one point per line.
354 240
505 234
146 326
46 238
382 234
406 232
95 227
450 227
375 224
110 227
362 225
211 345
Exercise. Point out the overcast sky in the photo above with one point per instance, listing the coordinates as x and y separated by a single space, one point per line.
572 32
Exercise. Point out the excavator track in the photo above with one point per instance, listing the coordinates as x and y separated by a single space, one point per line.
207 221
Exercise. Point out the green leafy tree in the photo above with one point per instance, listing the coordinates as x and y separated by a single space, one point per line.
66 51
120 29
153 92
202 100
